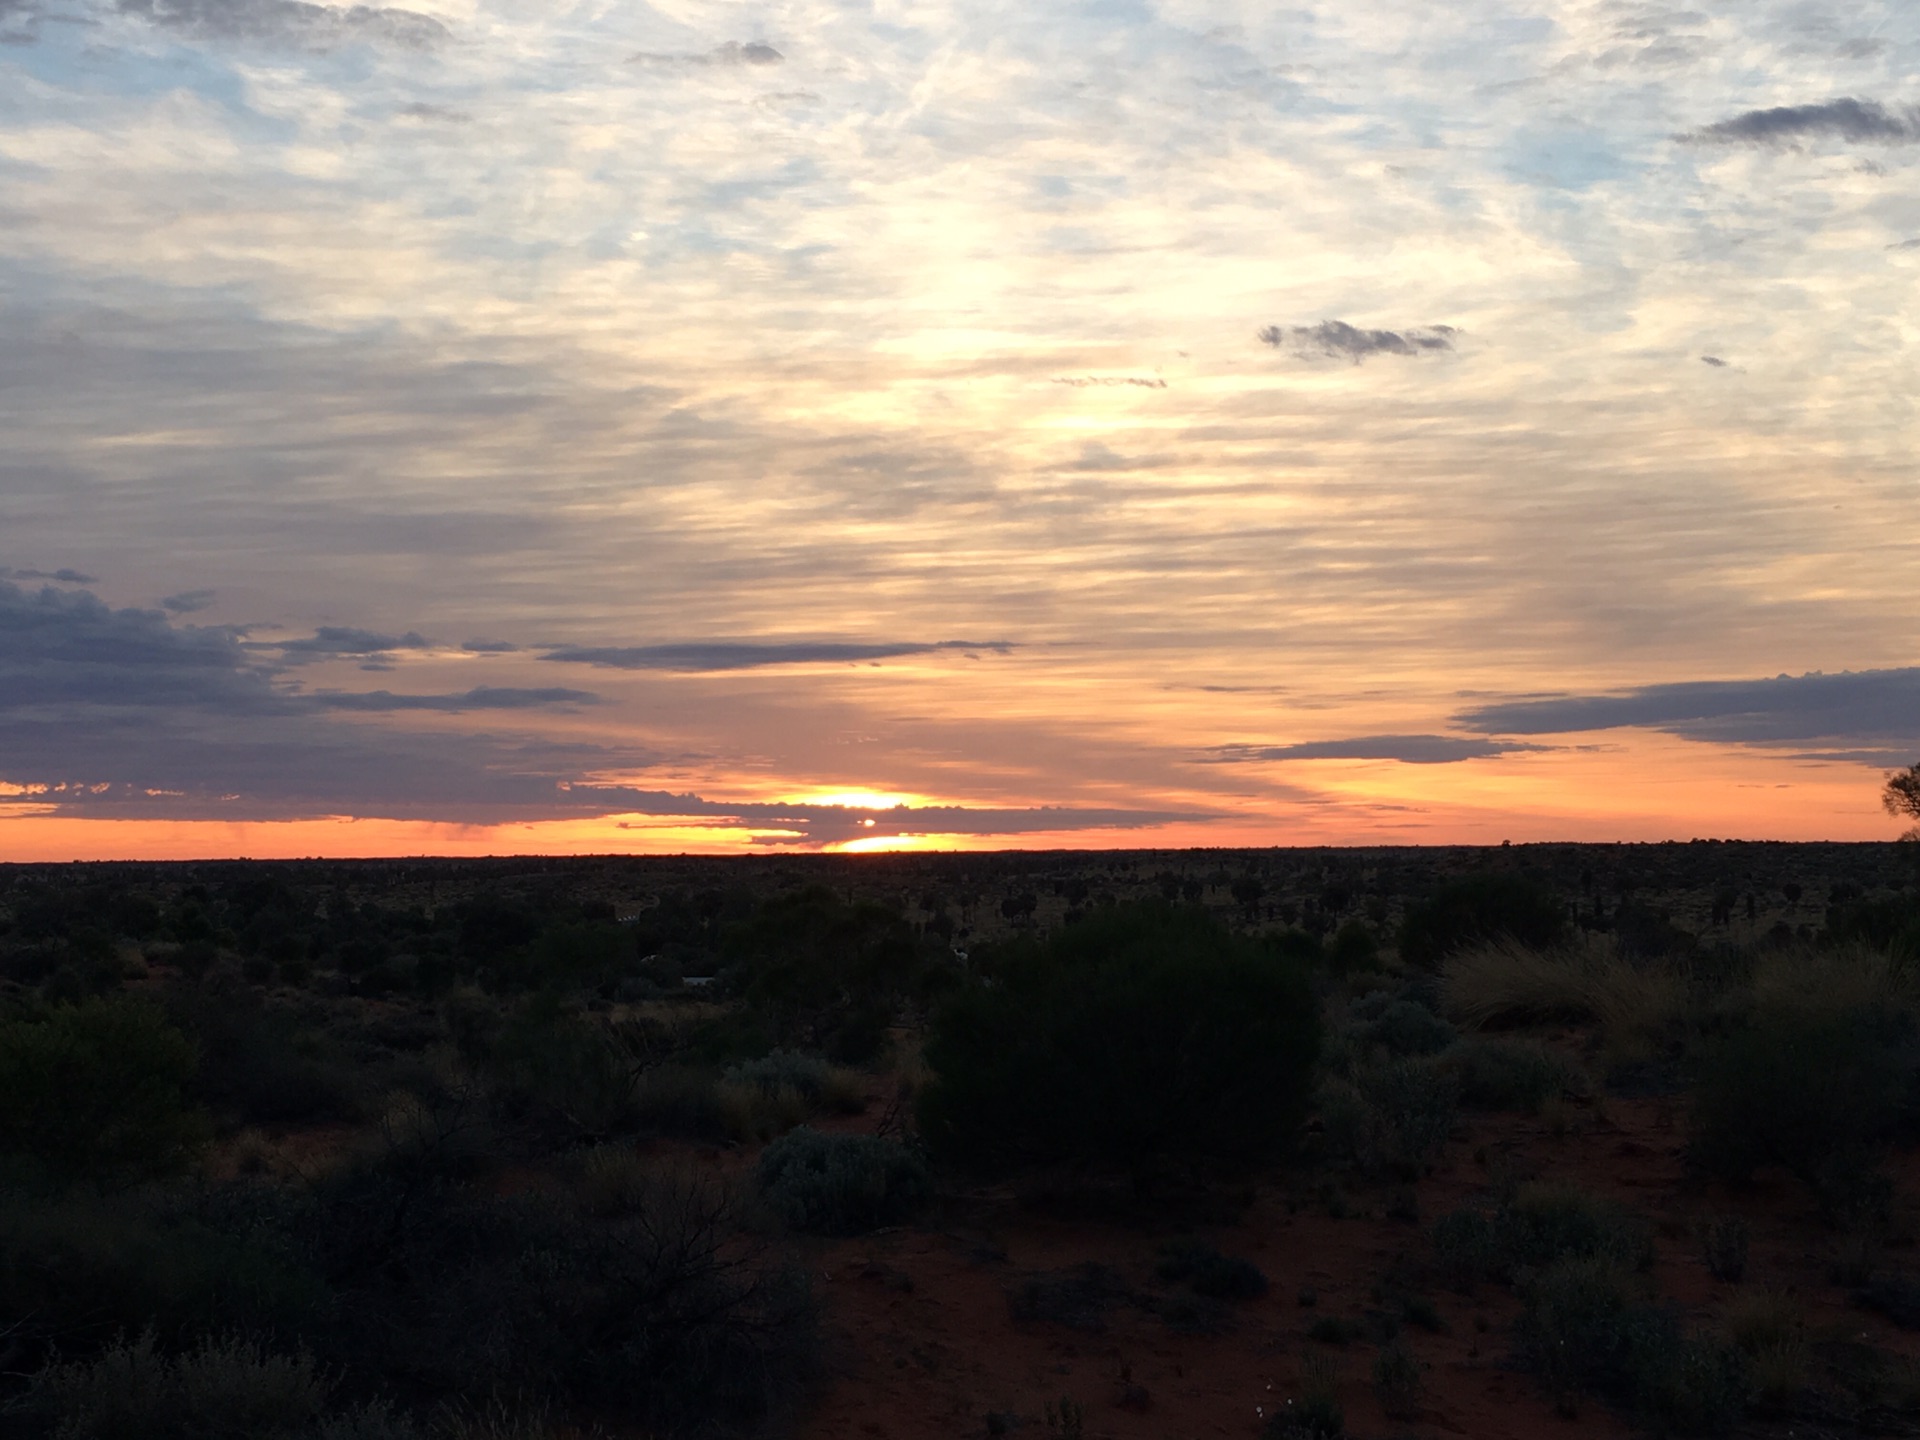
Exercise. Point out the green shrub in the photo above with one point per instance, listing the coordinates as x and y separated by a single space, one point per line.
1483 909
1498 1074
839 1184
1814 1093
1398 1383
1142 1036
97 1091
1390 1118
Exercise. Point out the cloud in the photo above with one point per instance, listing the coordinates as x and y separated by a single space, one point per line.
292 22
1714 360
1337 339
1858 121
1913 244
754 52
188 601
63 577
331 641
714 655
490 647
1081 382
1407 749
831 824
481 697
1872 715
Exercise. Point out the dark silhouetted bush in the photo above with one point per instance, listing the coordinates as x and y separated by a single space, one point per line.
1207 1272
1144 1035
97 1091
1499 1074
1480 909
1814 1093
839 1184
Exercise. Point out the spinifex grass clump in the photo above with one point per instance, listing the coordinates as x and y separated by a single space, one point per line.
1141 1037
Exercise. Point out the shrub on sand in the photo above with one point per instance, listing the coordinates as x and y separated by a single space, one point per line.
840 1184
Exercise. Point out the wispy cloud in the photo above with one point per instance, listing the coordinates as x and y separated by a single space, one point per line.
1407 749
481 697
292 22
713 655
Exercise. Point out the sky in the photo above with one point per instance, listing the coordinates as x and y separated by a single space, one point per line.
493 426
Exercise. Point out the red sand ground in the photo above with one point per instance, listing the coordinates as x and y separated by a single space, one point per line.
922 1343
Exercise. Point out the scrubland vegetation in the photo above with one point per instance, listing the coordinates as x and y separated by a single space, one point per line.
563 1148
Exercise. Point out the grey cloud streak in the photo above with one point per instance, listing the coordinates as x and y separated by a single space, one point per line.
723 655
481 697
1872 716
1858 121
1407 749
1338 340
291 22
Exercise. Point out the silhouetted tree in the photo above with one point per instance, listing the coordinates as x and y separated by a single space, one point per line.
1902 797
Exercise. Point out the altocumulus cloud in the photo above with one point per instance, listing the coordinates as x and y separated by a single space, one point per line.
1872 716
1407 749
291 22
1862 122
749 655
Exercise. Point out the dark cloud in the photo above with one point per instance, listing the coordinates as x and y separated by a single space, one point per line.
292 22
1713 360
331 641
482 697
1870 715
1864 122
830 824
1408 749
1339 340
188 601
1913 244
750 655
489 647
64 577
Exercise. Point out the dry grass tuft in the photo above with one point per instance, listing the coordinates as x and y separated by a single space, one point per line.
1508 984
1846 978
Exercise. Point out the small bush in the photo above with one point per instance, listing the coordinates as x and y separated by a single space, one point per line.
1079 1298
1407 1029
1314 1413
1144 1036
1542 1225
97 1091
1390 1118
1207 1272
840 1184
1496 1074
1397 1381
1723 1240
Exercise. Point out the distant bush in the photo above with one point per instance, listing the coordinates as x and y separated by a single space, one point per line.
1814 1093
840 1184
97 1091
1481 909
1143 1035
